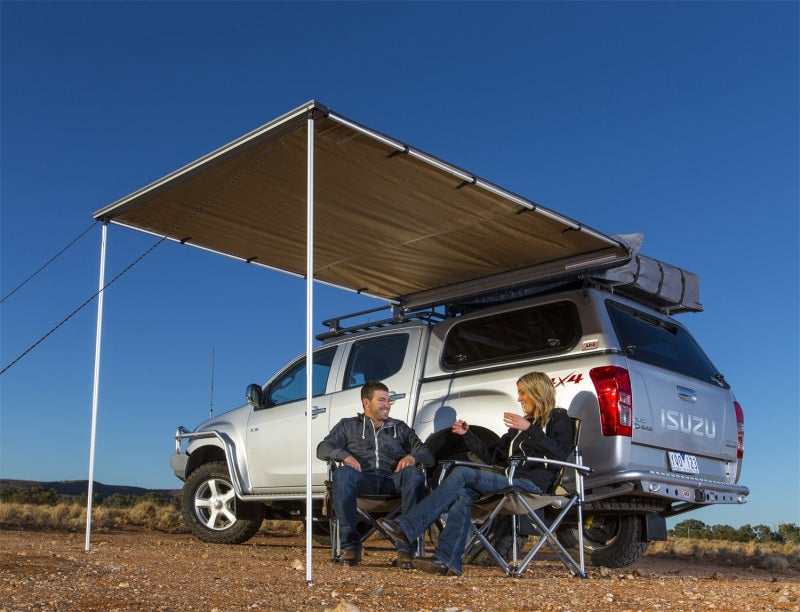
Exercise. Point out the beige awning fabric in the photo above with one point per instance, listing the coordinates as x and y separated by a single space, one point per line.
389 221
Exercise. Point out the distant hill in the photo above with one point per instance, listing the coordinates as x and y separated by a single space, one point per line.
79 487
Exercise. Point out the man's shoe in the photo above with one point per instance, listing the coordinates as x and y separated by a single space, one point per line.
404 559
432 565
350 556
395 532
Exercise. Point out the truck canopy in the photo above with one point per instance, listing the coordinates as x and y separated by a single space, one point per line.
389 221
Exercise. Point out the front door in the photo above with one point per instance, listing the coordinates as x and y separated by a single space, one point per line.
276 433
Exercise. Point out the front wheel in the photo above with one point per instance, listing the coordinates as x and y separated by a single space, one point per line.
610 541
211 510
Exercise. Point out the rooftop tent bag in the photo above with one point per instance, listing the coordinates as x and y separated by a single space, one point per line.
667 287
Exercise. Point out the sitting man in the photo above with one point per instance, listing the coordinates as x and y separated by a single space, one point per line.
378 456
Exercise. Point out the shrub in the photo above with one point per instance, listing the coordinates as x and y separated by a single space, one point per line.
776 563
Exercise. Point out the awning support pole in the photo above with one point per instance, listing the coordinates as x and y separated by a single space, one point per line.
309 334
96 386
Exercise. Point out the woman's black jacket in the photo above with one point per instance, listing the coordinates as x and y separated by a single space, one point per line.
555 442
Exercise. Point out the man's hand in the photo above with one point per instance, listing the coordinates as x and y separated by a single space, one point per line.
515 421
460 427
405 462
352 462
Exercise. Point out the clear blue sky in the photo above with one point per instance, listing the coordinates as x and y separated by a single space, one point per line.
679 120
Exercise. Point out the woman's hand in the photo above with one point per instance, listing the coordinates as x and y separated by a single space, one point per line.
515 421
460 427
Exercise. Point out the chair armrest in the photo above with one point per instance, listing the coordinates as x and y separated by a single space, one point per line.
584 469
332 465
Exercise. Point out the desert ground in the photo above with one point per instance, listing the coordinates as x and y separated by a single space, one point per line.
150 570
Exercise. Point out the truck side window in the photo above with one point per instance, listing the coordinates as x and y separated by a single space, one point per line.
375 359
542 330
291 385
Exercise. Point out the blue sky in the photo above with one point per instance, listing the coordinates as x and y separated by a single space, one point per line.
679 120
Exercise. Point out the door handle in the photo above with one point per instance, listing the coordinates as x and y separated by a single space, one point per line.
315 410
686 394
396 396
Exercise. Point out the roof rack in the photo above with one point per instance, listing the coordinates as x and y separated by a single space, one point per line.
648 281
398 315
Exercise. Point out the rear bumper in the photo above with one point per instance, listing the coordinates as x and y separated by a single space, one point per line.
675 488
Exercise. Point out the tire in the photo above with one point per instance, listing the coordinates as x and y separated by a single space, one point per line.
608 540
211 510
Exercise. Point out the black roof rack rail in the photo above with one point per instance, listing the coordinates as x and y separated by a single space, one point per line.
398 315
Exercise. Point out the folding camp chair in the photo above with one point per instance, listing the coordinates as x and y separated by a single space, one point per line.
515 502
370 507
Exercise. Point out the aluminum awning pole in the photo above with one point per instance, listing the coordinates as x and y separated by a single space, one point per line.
309 333
96 387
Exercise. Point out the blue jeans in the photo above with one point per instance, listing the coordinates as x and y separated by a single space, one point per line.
348 484
455 496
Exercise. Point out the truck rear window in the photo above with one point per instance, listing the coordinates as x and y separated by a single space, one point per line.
532 332
661 343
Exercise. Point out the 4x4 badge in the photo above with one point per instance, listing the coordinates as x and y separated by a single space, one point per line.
588 345
572 377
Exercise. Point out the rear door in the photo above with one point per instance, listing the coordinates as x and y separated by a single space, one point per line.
390 357
681 405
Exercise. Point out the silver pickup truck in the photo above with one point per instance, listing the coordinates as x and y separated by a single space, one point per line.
661 429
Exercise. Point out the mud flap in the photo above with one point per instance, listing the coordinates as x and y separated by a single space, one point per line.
655 527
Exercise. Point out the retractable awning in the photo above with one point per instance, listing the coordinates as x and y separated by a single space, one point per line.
317 195
389 220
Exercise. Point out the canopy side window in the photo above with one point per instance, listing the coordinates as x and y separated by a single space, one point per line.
533 332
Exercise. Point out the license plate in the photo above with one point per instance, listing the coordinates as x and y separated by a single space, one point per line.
681 462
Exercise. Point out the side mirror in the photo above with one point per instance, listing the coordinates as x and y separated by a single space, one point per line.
253 395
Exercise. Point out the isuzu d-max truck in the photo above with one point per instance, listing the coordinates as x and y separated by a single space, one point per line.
660 427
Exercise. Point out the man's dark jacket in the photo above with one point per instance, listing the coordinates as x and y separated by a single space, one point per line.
376 451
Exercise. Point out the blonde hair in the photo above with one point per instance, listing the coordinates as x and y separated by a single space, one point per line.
539 386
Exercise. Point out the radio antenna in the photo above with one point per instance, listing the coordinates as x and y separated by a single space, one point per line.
211 401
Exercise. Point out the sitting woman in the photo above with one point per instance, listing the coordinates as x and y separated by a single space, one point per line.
543 431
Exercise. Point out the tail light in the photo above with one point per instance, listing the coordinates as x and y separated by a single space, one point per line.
613 386
739 430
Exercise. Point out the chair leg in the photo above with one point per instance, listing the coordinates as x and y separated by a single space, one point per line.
336 544
514 551
374 526
481 537
547 536
479 534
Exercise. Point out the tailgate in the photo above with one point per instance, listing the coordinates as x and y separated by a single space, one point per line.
682 414
684 419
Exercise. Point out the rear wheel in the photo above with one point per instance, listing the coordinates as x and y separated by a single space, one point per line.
610 541
212 511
